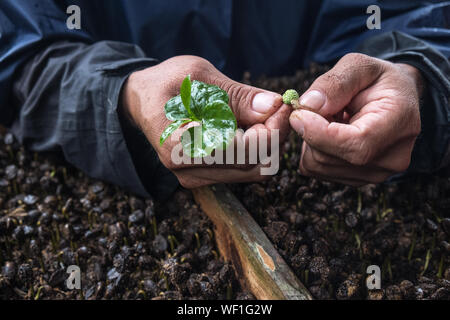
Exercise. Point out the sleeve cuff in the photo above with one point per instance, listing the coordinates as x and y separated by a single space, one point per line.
131 156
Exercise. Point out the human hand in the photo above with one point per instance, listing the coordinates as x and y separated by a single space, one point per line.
146 92
365 121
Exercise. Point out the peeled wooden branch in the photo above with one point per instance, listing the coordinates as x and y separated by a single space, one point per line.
259 267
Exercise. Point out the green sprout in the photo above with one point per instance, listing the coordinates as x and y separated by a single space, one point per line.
206 105
290 95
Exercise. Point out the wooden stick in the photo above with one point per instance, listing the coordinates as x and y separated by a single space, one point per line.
259 267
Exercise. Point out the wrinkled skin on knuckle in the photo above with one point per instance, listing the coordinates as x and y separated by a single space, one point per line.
197 67
236 93
359 60
239 96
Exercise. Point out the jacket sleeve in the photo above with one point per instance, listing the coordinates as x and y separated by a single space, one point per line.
67 97
432 149
59 90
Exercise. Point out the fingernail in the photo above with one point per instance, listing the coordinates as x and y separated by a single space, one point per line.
313 99
263 102
297 123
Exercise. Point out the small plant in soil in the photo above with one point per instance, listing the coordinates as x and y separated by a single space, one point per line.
207 106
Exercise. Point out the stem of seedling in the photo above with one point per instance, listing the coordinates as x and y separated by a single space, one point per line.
358 240
380 202
171 243
90 219
229 291
210 234
411 248
441 267
427 261
166 282
389 267
64 170
155 229
30 291
38 294
358 209
358 245
197 239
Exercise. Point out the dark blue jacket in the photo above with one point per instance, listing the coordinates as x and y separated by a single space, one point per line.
59 88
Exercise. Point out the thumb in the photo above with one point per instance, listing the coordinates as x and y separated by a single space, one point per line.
333 91
251 105
336 139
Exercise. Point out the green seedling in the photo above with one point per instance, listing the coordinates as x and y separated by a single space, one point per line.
229 291
38 294
171 240
358 209
207 106
197 238
292 97
411 248
155 227
441 268
427 261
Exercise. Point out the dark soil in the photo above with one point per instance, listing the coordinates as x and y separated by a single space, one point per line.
329 233
53 216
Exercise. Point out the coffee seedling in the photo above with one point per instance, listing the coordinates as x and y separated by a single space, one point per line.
206 105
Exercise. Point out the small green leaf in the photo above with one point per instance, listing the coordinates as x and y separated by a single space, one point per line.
202 94
217 115
217 130
207 105
175 110
185 93
170 129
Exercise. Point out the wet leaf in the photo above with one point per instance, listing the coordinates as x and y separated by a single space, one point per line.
208 106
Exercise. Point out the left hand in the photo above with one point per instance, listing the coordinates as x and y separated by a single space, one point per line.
365 123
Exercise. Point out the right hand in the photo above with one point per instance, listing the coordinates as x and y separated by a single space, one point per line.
147 91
